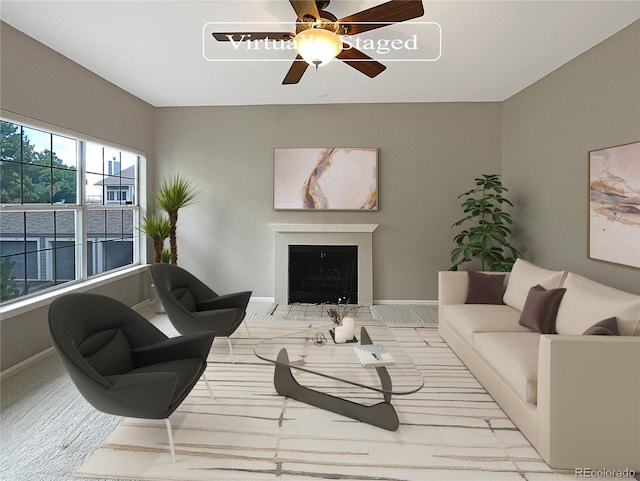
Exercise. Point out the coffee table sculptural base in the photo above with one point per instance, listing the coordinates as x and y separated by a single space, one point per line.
382 414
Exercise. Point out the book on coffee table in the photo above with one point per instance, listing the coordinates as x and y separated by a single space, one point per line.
374 355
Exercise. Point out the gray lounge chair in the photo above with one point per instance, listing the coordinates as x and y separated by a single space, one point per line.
121 363
192 306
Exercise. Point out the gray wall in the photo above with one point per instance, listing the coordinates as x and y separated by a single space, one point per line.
548 129
41 85
428 154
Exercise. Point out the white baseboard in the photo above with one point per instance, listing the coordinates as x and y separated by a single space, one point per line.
140 305
406 301
23 364
262 299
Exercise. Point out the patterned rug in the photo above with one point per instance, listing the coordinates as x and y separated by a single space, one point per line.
450 430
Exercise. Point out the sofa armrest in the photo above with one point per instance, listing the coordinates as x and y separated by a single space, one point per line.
589 401
452 287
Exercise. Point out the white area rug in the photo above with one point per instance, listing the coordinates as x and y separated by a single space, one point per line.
450 430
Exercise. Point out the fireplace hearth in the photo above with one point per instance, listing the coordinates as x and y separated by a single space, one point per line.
323 274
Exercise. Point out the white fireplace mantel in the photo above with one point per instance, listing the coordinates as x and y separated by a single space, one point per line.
360 235
323 227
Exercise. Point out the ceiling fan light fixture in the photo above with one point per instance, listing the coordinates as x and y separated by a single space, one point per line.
318 46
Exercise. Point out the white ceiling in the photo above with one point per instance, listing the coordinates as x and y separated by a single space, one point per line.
156 50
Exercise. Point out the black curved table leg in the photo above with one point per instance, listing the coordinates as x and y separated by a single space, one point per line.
382 414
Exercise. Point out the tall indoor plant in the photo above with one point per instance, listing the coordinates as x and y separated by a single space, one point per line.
486 233
172 195
157 229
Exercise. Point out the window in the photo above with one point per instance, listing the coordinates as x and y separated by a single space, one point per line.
69 209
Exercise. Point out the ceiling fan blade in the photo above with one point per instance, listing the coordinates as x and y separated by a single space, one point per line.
305 7
244 36
394 11
296 71
360 61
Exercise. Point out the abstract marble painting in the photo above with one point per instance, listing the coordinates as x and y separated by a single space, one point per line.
334 178
614 204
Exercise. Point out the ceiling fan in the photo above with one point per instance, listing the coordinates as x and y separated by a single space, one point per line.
318 36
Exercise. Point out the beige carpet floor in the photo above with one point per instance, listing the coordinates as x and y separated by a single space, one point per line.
450 430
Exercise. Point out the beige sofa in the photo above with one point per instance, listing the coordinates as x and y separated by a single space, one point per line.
575 397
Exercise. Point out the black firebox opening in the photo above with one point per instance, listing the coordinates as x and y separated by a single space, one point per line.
322 274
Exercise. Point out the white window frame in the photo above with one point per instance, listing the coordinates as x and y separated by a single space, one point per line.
83 281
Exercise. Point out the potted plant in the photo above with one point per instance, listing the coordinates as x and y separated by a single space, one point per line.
487 235
172 195
157 229
339 313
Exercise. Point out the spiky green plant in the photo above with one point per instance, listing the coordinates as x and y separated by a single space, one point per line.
157 229
174 194
487 237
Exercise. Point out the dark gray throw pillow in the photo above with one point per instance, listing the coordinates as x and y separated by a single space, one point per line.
607 327
540 309
484 288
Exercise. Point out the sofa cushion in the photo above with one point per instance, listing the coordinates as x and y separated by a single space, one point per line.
467 319
607 327
523 277
484 288
587 302
514 357
540 309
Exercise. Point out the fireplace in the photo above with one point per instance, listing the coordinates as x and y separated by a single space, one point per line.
354 235
323 274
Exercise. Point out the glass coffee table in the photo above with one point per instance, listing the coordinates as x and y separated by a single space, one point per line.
300 353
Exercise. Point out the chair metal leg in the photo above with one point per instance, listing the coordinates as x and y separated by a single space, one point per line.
170 434
246 326
233 360
68 439
206 381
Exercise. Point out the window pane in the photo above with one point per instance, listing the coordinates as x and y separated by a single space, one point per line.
111 161
111 240
94 189
96 225
94 158
12 228
65 225
10 182
9 142
65 261
65 186
36 184
65 152
118 253
64 245
129 164
11 275
111 187
36 148
114 224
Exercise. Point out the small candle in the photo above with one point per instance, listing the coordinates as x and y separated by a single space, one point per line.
348 323
341 334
